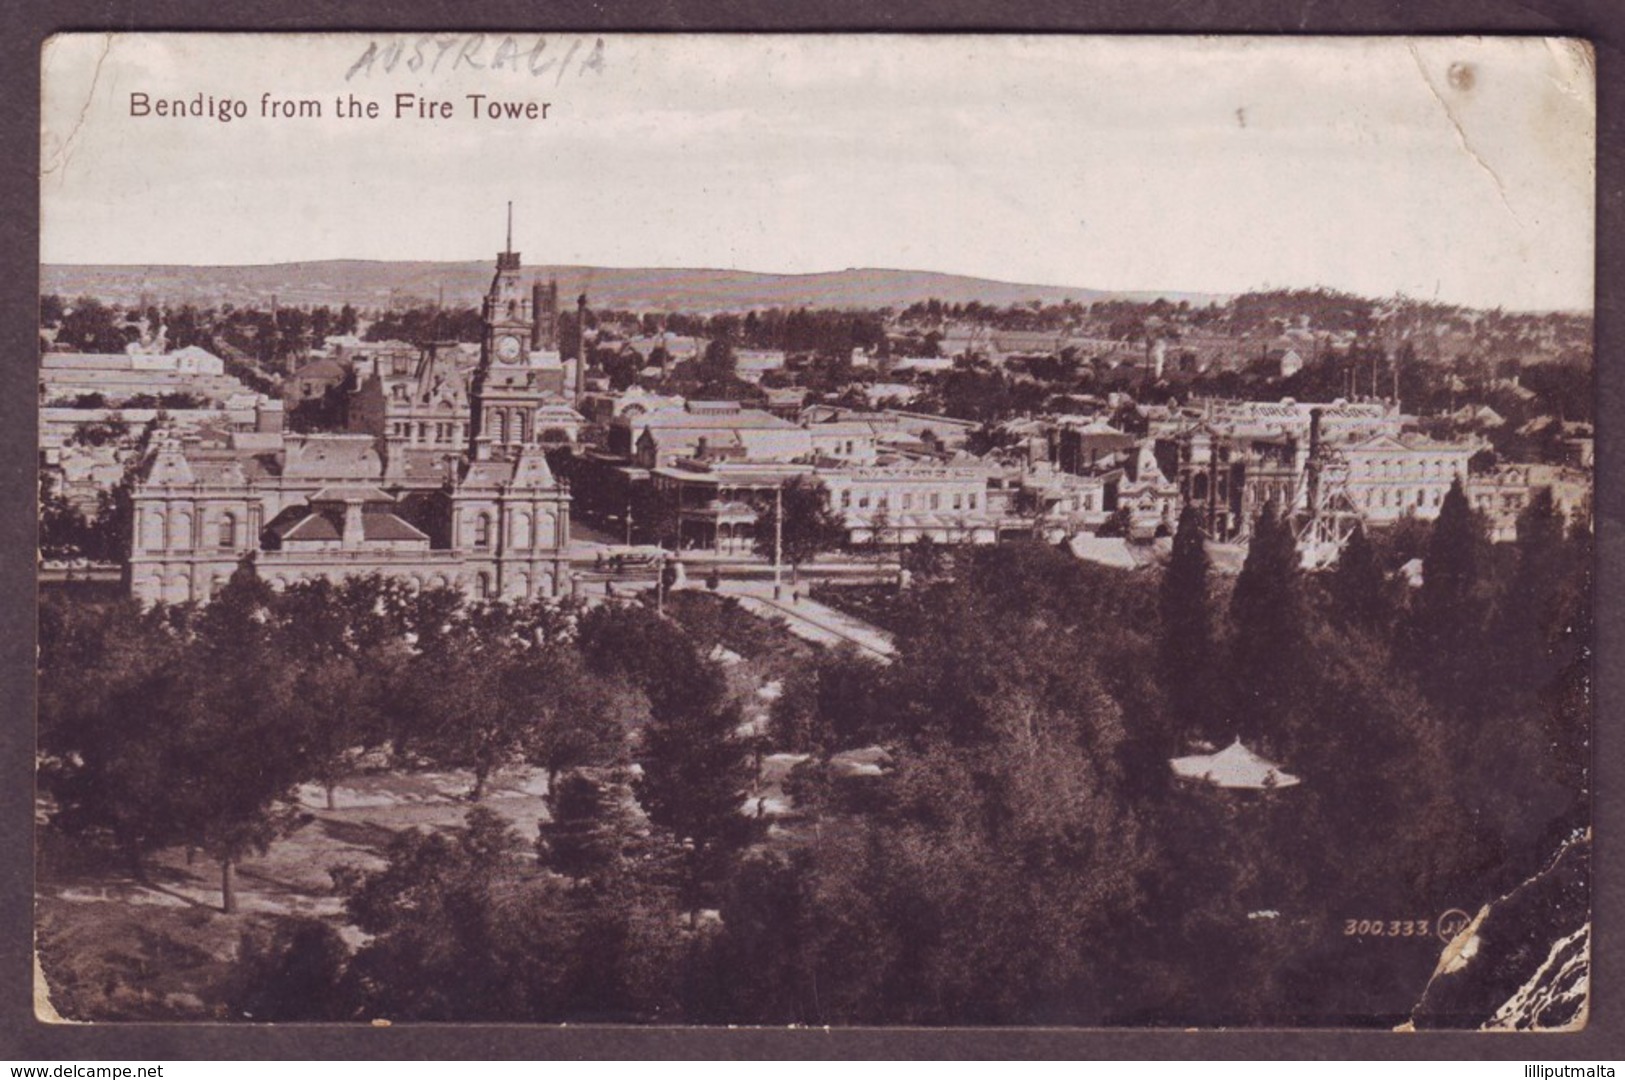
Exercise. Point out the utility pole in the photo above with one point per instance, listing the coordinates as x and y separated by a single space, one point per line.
778 539
629 521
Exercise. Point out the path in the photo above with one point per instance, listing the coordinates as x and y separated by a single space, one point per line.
810 620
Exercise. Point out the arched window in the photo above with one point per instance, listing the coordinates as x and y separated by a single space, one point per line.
482 585
153 533
228 530
482 530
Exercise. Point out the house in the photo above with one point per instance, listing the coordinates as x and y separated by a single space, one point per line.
1082 443
905 501
1502 493
121 376
313 381
713 429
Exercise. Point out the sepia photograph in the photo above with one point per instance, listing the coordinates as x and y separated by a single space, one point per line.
841 530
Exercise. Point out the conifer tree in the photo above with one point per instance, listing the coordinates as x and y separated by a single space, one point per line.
1528 627
590 828
1447 632
1187 636
1268 621
1358 587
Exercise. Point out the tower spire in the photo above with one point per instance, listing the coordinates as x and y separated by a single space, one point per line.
509 248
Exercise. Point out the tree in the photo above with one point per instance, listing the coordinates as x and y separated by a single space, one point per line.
230 701
880 532
104 726
188 739
1358 585
63 531
1447 626
1186 638
349 643
466 927
111 531
583 718
696 771
923 559
1266 612
696 775
460 930
718 366
488 694
293 972
590 827
1566 702
833 702
810 526
654 515
1534 599
91 326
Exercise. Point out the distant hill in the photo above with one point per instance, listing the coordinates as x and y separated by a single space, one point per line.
369 284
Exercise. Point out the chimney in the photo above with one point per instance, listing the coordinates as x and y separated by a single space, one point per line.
581 348
1313 466
538 296
544 306
268 416
353 527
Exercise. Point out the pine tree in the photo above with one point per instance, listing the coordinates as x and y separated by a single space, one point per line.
1267 615
590 828
1358 586
696 774
1529 622
1187 636
1447 634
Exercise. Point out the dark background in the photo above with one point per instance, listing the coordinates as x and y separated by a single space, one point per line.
25 25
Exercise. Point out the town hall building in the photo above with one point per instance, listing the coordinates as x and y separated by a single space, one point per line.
449 488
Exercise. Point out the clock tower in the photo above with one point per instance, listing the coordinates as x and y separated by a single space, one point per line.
506 393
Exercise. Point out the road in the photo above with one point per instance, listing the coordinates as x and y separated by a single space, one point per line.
810 620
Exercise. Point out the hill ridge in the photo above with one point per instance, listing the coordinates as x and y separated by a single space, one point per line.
373 283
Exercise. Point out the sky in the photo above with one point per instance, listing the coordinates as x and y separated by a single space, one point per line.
1457 169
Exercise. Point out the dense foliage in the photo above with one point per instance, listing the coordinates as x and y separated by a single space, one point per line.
985 831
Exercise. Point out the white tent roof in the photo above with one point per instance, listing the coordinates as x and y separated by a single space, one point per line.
1233 767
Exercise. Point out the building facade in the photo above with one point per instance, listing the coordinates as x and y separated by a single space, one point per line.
399 497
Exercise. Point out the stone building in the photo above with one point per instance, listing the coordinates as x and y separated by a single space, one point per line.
1392 476
445 485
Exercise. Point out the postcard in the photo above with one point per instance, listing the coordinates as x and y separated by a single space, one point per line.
831 530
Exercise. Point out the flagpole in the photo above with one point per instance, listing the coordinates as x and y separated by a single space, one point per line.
778 539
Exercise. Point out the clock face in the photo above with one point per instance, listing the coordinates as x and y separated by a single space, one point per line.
507 347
